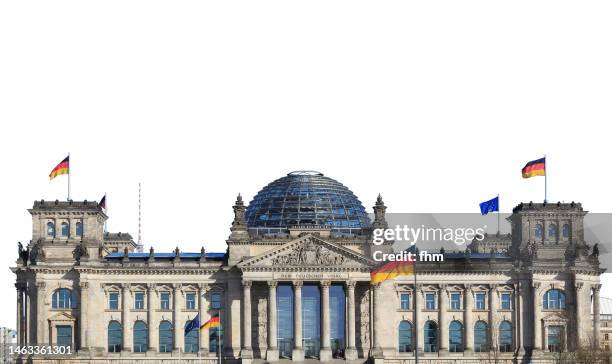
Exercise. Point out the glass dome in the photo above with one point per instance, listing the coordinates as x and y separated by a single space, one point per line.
306 198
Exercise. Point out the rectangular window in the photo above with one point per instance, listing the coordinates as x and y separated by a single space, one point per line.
113 300
164 301
481 299
404 301
506 301
215 301
190 301
430 301
455 301
64 335
139 299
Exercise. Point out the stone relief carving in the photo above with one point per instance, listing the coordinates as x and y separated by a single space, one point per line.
310 253
259 318
363 317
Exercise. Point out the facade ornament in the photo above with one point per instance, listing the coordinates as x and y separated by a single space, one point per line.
298 283
380 221
202 255
177 255
239 231
272 284
309 253
151 255
126 257
247 283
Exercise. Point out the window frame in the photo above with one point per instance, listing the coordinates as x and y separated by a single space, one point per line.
434 300
501 300
404 301
193 301
456 300
165 302
136 300
477 301
116 301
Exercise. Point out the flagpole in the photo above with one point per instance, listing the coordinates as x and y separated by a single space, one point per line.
498 211
219 335
105 212
414 301
545 180
69 167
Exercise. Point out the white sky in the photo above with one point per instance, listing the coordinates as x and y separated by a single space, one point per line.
437 105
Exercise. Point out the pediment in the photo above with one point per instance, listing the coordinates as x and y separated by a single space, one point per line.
309 252
555 317
62 317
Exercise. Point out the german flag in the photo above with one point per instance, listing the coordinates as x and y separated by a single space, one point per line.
61 168
213 322
535 168
391 270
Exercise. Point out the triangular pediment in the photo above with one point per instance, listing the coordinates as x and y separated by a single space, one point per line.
62 317
555 317
309 252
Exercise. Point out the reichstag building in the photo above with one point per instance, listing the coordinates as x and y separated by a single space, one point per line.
294 284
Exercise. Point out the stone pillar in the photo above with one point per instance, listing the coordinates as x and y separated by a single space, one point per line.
20 327
537 318
298 349
152 329
468 323
596 318
41 314
272 352
418 318
325 353
176 324
377 323
247 350
522 316
443 326
126 344
492 337
579 319
83 313
351 350
203 308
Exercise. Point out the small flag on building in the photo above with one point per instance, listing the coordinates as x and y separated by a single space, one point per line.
61 168
391 270
535 168
193 324
102 202
489 206
213 322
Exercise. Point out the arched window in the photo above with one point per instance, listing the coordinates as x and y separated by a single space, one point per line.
63 298
480 337
505 337
114 337
405 337
539 230
566 231
65 229
455 337
79 229
552 231
192 339
554 299
141 336
431 337
165 337
50 229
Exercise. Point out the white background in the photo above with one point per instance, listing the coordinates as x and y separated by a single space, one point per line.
435 104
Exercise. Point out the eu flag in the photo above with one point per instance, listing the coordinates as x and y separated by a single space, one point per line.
489 206
193 324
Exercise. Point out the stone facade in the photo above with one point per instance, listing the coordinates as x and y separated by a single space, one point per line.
466 289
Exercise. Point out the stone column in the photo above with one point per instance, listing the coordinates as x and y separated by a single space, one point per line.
418 321
579 333
596 318
203 308
83 312
272 352
351 350
247 350
443 326
126 344
152 330
522 316
377 323
325 353
537 318
298 349
468 323
492 337
176 324
20 327
41 313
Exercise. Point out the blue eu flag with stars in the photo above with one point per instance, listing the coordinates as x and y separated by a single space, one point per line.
193 324
489 206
